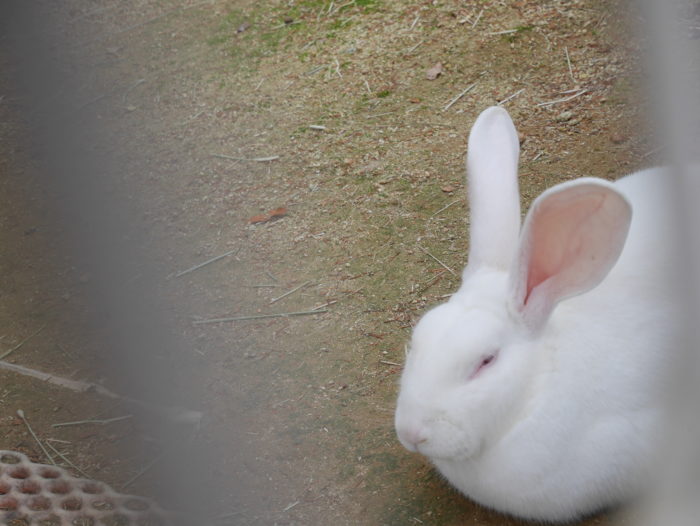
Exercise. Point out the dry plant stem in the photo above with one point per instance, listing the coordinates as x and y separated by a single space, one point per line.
96 421
510 97
20 414
565 99
207 262
462 94
440 262
8 353
478 17
446 207
504 32
379 115
568 63
413 48
252 159
324 305
65 459
259 316
174 413
274 300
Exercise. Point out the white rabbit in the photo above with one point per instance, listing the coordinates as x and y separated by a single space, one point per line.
535 390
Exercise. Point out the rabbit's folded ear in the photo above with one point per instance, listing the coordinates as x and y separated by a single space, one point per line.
492 170
573 235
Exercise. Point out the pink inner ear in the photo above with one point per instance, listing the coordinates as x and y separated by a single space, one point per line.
572 238
562 239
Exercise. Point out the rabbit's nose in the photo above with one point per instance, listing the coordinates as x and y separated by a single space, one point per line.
412 436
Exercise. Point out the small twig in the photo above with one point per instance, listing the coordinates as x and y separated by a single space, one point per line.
259 316
537 156
367 86
207 262
291 506
324 305
253 159
429 284
317 127
20 414
270 286
511 96
341 6
386 362
379 115
566 99
8 353
337 67
176 414
478 17
504 32
436 259
316 69
274 300
446 207
65 459
96 421
568 62
413 48
462 94
414 23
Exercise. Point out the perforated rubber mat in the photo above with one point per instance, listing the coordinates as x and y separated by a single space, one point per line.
44 495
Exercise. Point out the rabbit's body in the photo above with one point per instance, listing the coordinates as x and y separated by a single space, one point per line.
548 413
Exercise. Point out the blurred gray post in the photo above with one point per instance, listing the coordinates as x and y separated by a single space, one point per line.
76 158
673 60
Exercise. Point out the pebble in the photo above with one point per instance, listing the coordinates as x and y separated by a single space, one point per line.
617 138
564 116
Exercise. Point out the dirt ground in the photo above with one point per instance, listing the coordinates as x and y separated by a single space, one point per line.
220 111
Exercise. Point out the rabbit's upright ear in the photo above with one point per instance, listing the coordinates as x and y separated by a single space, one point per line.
494 202
572 237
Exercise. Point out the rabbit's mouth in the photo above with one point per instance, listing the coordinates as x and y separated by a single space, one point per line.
450 446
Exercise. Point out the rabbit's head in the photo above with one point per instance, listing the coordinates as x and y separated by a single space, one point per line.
475 361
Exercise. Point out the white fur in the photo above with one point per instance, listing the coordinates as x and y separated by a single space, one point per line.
562 422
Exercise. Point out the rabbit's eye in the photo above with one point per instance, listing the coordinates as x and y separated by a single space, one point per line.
485 362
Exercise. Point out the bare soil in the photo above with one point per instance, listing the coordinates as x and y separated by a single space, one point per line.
297 423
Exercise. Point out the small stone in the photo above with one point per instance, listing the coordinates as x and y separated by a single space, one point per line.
618 138
564 116
521 138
